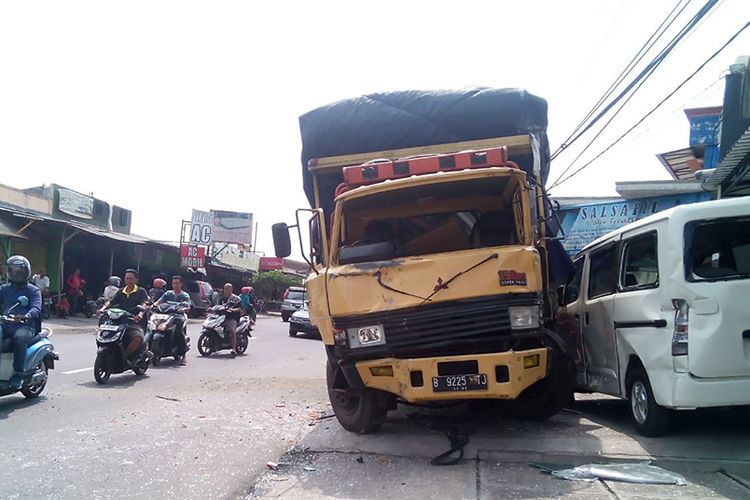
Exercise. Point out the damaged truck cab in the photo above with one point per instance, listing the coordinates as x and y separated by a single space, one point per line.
429 282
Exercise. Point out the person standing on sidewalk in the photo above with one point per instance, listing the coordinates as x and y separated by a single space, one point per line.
75 290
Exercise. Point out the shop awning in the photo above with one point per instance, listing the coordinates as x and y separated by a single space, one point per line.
93 230
733 173
9 228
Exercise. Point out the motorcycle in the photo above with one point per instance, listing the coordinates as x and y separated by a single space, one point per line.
46 305
110 355
90 306
213 339
40 358
162 328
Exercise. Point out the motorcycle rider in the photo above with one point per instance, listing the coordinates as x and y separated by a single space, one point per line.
233 313
113 284
249 299
176 294
18 271
128 298
158 289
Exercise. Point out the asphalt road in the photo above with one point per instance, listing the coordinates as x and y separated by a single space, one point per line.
205 430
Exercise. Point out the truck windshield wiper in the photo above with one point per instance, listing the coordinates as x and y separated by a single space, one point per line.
444 285
379 276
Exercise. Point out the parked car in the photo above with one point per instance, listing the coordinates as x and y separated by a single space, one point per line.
294 299
200 293
658 315
299 322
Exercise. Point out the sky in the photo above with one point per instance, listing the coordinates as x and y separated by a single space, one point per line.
164 106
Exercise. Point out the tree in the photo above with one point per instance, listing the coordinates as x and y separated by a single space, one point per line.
271 285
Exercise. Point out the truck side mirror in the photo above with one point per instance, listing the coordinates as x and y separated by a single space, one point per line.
282 243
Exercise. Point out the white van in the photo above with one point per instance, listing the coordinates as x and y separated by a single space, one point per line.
659 312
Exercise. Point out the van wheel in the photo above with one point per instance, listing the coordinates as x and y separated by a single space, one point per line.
358 410
548 396
648 417
285 317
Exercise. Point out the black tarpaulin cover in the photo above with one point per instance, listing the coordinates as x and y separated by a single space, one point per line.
413 118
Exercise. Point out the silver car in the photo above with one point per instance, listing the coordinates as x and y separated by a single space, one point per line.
294 299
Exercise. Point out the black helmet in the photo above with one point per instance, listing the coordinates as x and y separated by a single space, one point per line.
19 269
114 281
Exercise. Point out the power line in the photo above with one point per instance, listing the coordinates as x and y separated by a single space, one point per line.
639 80
621 137
625 72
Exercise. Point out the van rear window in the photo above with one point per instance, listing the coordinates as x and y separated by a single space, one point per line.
296 295
717 249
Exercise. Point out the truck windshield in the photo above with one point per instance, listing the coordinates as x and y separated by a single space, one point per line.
718 249
435 218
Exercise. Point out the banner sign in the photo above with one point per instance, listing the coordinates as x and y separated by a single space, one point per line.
232 227
583 224
271 263
75 204
192 257
201 228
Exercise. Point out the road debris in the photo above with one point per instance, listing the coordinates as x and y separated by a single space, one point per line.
643 473
168 399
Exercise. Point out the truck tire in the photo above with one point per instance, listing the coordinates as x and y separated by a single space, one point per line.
548 396
648 417
358 410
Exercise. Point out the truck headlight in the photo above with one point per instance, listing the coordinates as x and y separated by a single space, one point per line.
366 336
524 317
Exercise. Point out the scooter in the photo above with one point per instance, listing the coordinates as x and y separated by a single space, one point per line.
110 356
46 305
162 328
40 358
89 307
213 339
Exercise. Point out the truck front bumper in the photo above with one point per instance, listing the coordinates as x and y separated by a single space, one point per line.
508 374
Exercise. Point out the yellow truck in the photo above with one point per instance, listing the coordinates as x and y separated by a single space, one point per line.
430 264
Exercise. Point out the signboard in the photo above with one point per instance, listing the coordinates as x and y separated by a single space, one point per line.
583 224
232 227
230 255
271 263
192 256
75 204
201 228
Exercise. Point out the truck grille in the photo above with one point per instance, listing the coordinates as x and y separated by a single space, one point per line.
472 325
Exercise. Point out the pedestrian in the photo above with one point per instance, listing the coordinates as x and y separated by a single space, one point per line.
41 280
75 290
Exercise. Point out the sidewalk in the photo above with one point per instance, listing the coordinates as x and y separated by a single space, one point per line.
711 452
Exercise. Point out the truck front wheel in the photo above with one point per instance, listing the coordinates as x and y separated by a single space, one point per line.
549 395
357 410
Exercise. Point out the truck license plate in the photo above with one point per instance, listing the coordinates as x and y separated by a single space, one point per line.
459 383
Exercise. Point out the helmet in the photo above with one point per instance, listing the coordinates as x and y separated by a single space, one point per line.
114 281
19 269
159 283
247 289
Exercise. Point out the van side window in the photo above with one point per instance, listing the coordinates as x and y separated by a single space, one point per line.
573 288
640 267
717 249
602 272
